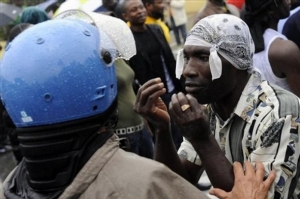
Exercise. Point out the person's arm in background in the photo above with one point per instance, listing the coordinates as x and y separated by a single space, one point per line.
284 58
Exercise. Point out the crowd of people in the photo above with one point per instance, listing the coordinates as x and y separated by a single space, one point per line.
99 106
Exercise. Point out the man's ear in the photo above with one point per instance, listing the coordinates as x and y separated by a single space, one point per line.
124 15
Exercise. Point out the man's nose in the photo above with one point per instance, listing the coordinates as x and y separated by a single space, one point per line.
189 70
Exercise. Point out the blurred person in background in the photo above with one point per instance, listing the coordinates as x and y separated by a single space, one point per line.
107 5
294 7
132 130
276 57
155 15
33 15
292 28
216 7
178 19
110 6
154 58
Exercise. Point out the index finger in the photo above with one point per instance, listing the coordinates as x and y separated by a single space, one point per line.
173 108
238 170
146 85
177 101
196 107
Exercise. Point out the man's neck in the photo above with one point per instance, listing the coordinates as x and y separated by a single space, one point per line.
138 28
273 24
225 107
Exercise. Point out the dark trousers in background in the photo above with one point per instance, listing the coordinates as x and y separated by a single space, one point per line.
140 143
177 29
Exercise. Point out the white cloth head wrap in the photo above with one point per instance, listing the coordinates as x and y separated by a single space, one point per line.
224 34
120 44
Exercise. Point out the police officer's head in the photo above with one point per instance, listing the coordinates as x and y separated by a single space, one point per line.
58 85
57 72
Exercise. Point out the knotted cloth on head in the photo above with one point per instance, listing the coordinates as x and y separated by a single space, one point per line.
224 34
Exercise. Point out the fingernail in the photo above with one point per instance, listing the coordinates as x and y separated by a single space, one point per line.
161 84
157 79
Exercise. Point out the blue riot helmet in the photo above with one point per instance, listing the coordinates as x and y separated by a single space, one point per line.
58 85
57 71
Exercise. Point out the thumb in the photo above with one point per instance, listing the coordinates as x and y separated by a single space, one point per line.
219 193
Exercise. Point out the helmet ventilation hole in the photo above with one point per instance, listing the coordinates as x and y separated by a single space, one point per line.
40 41
95 108
47 97
106 57
87 33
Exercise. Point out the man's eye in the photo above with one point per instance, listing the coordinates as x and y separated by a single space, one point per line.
133 9
186 59
203 58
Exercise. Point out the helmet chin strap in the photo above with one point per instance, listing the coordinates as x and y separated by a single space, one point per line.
54 154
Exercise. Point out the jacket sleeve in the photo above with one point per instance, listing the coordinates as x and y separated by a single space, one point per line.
166 184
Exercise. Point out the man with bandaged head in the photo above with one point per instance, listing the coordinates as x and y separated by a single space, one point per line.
276 57
228 114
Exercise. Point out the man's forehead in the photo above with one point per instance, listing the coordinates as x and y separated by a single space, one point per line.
191 49
109 1
132 3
